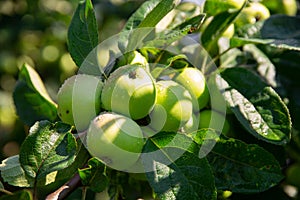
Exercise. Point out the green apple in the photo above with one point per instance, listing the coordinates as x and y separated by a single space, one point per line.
148 131
173 107
194 81
129 90
115 139
214 7
132 57
229 32
214 120
79 100
191 125
226 194
287 7
252 13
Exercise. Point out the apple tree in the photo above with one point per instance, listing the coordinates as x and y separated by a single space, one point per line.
190 100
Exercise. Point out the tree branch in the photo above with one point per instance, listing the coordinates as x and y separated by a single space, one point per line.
66 189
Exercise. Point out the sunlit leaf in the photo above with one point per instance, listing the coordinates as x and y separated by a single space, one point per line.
174 171
48 148
241 167
83 32
94 175
256 105
31 98
13 173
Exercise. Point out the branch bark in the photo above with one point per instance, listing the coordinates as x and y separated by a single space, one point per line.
66 189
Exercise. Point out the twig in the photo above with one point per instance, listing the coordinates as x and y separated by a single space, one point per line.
84 189
66 189
6 192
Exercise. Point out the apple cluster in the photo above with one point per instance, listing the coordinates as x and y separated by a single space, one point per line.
253 11
130 105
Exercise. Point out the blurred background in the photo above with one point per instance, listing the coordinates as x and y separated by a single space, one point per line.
35 32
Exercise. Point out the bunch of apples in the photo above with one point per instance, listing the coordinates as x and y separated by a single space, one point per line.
119 113
253 11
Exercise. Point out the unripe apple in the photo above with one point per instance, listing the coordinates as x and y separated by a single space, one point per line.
192 124
214 7
130 90
133 57
229 32
78 100
194 81
214 120
287 7
116 140
252 13
173 107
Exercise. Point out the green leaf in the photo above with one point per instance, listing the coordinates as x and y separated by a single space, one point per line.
195 23
287 65
56 179
239 41
241 167
232 58
150 13
214 7
284 30
174 172
164 39
281 27
145 18
31 98
279 31
217 27
83 32
250 30
19 195
256 105
48 148
94 175
157 13
292 44
13 173
265 67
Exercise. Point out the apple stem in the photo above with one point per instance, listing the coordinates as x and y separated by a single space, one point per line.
80 135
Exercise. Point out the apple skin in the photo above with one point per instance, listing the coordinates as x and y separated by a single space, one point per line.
78 100
252 13
129 90
194 81
133 57
173 107
217 6
116 140
287 7
191 125
229 32
206 117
